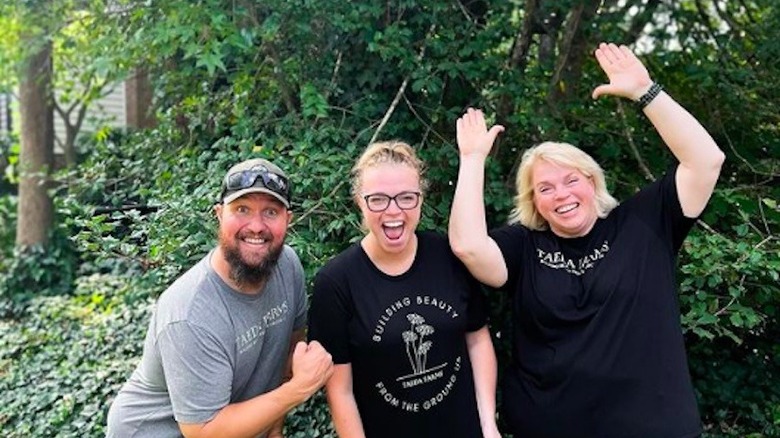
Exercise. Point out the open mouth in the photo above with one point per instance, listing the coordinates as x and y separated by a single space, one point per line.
563 209
254 239
393 229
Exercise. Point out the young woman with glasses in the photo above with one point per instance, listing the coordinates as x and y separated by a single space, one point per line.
403 319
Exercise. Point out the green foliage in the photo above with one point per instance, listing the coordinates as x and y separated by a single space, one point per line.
739 382
33 271
62 363
9 157
37 271
310 419
9 49
7 230
729 294
307 83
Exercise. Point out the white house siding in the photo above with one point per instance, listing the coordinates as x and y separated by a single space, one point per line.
5 114
108 110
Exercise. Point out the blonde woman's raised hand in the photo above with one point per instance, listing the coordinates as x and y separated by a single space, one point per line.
628 77
473 135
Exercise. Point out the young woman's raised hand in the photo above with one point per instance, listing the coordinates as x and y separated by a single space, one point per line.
473 134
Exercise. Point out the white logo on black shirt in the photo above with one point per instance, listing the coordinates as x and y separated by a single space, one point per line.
414 406
558 260
417 344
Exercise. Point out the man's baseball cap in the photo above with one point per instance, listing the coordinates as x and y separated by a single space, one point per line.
257 175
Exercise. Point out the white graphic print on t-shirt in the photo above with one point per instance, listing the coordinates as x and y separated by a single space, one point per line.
274 316
558 260
417 344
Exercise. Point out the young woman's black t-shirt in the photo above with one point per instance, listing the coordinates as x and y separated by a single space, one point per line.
405 339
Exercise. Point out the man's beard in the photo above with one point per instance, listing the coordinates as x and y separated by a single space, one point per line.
250 275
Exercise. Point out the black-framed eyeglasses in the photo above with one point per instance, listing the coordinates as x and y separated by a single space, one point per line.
258 176
377 202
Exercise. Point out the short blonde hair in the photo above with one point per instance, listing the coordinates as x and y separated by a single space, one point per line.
562 154
386 152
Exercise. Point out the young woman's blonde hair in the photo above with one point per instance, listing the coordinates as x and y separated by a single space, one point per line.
562 154
392 152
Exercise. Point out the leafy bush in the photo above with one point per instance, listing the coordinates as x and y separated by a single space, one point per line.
730 285
62 363
7 230
308 84
310 419
35 271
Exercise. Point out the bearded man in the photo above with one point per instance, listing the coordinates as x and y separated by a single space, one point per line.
225 336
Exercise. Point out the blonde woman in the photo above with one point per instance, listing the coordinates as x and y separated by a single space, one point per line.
597 345
402 317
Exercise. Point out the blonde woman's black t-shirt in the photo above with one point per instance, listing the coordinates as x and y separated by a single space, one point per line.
405 339
597 345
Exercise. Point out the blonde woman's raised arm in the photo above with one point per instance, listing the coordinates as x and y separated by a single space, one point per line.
468 228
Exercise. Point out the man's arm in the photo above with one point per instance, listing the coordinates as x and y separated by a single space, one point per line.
277 430
484 368
311 368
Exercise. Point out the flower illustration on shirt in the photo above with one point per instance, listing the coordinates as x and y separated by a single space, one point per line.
417 346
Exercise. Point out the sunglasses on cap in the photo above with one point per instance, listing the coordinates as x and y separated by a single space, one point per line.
258 176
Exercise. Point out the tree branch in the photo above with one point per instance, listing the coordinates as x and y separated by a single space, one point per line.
522 43
641 162
640 21
320 201
465 12
284 87
706 20
734 26
748 14
335 74
428 126
572 52
400 91
390 110
632 145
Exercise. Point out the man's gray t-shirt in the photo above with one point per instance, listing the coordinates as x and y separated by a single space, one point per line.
208 346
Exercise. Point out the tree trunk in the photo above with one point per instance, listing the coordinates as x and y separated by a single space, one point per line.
69 147
35 211
138 101
575 48
72 130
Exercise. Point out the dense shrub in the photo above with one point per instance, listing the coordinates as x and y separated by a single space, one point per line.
61 363
308 84
34 271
